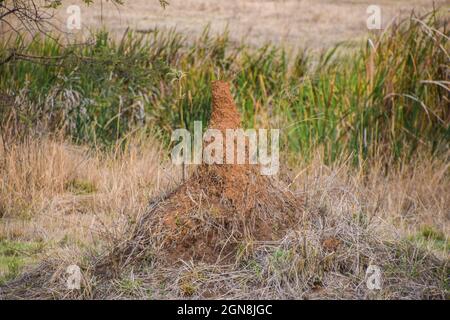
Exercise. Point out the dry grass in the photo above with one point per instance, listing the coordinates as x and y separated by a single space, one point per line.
106 210
307 23
394 217
54 191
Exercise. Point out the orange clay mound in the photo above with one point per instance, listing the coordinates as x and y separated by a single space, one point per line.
216 209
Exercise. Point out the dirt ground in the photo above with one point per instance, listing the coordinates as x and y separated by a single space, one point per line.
295 23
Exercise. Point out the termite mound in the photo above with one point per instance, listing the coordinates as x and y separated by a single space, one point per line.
218 208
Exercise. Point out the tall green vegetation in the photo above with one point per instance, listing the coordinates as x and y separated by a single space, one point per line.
389 98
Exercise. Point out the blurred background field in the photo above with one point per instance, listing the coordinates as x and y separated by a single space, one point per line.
291 23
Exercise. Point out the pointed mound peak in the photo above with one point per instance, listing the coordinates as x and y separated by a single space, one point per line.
224 113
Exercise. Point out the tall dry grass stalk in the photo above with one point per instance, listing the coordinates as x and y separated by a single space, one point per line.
52 190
